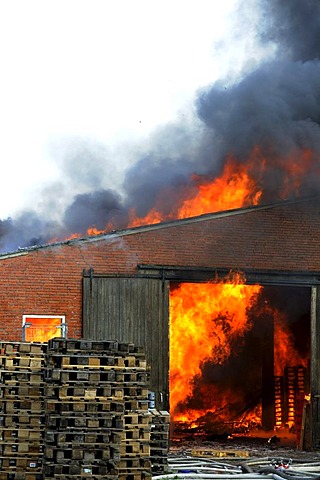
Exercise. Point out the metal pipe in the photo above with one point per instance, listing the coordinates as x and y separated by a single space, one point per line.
244 476
203 467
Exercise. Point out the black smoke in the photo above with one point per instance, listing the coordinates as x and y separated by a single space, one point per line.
100 206
276 106
294 26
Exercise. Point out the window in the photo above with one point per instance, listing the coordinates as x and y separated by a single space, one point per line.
41 328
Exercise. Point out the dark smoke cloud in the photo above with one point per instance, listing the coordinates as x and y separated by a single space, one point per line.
101 207
294 25
277 106
143 190
26 230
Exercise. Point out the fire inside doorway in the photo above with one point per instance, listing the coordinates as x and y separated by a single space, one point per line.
239 358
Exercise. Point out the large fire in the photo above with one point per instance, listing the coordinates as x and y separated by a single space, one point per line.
208 323
234 188
205 321
239 184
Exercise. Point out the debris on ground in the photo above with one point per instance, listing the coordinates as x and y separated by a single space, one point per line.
276 468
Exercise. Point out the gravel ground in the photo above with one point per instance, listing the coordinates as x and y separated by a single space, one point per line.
257 444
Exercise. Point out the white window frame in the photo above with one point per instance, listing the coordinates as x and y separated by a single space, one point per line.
63 326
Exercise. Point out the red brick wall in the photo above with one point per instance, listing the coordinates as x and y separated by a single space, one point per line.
48 280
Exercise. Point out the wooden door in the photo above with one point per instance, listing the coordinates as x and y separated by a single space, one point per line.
132 309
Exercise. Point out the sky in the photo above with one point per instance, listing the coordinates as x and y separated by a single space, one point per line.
112 109
99 77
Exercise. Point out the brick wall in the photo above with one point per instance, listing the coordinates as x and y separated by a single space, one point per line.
48 280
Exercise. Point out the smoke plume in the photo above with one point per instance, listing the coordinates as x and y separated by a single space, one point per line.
275 107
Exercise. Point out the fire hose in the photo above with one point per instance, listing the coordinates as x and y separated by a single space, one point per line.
252 469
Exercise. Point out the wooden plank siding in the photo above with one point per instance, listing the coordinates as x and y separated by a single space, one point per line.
132 310
315 367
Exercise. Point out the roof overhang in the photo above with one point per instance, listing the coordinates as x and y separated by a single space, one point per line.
253 277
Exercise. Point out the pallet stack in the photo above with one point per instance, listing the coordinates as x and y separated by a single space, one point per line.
84 410
95 395
159 441
21 410
294 386
278 401
135 443
75 408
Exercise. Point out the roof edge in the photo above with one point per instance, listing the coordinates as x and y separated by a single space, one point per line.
158 226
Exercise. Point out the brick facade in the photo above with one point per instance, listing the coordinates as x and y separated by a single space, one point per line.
47 280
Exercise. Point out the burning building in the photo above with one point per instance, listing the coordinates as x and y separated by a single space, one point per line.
210 258
225 304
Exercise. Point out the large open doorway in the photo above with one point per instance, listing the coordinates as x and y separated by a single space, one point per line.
239 359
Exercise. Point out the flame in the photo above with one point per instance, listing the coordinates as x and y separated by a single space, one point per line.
204 321
234 188
239 184
295 169
42 329
284 352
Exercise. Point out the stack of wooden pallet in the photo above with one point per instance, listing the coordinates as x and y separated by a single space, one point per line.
135 443
159 441
84 410
22 410
95 394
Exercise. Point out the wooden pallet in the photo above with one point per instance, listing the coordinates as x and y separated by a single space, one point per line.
82 438
21 433
134 419
77 470
66 454
7 348
211 452
21 420
129 475
84 422
84 392
136 447
19 463
63 345
8 475
74 407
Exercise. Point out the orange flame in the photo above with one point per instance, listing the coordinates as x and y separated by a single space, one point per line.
234 188
284 352
238 185
204 320
42 329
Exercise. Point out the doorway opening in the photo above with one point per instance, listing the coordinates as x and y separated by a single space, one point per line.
239 359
